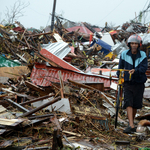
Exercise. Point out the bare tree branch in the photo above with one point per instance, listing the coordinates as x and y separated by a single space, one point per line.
16 11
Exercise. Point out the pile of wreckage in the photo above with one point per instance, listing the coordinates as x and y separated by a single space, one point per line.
55 90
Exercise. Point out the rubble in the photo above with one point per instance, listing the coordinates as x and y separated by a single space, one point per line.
56 89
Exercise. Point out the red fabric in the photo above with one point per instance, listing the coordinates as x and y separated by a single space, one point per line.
91 37
18 29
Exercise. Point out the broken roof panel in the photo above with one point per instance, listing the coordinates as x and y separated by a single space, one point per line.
69 24
97 29
59 49
83 29
43 75
58 61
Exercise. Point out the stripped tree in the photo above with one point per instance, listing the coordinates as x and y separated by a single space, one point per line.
16 11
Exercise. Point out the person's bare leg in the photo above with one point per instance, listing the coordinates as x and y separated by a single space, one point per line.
130 116
134 113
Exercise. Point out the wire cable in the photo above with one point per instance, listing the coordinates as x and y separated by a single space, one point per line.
145 4
146 10
111 11
37 12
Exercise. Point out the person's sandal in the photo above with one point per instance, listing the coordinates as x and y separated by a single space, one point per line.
129 130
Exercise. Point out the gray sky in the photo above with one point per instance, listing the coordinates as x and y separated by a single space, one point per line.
96 12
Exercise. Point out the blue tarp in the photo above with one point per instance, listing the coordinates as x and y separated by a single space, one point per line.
106 48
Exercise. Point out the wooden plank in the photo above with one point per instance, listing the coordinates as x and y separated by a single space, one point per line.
41 107
37 99
86 110
35 87
81 85
7 115
2 131
2 109
15 93
3 79
13 72
72 133
61 84
98 86
10 122
109 62
21 108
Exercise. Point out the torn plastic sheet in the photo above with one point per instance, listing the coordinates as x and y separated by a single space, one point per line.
130 29
106 48
106 37
5 62
119 47
145 39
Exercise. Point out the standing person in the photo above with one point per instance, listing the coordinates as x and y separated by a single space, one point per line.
134 60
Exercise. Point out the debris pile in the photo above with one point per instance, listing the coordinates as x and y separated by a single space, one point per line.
56 91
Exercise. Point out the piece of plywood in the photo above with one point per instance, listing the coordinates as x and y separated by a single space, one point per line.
10 122
63 105
57 37
3 79
7 115
72 133
14 72
2 109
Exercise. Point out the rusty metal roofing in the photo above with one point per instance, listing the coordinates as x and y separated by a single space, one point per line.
83 29
58 61
43 75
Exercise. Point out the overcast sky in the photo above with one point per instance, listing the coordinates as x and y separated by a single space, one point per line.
96 12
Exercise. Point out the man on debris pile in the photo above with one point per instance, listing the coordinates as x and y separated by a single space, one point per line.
135 61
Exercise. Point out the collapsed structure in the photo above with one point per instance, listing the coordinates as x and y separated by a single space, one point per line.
56 86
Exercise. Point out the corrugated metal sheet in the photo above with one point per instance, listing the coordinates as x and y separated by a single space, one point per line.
42 75
58 61
83 29
59 49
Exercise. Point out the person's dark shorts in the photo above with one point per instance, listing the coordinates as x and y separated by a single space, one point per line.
133 95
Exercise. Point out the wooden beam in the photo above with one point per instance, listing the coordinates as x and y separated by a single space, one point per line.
17 105
37 99
41 107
